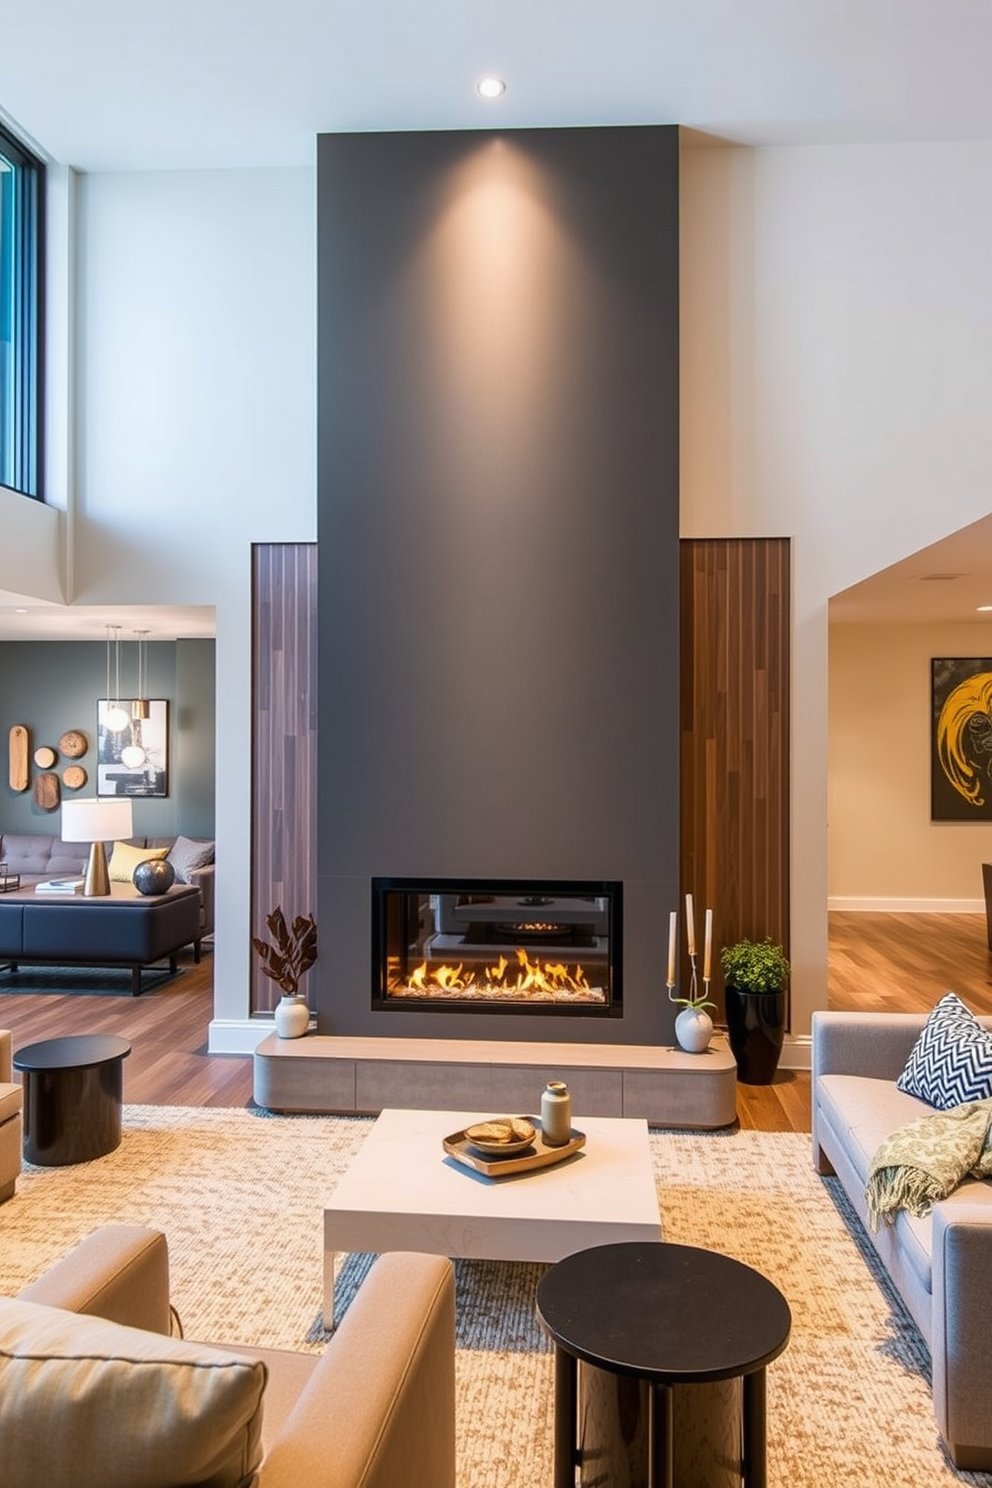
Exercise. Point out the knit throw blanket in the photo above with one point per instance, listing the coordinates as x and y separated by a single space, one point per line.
923 1161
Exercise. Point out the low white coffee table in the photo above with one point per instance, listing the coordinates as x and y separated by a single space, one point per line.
403 1192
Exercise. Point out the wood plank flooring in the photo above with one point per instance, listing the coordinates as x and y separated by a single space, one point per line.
906 962
877 962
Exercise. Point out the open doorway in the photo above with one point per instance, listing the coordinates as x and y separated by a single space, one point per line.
906 908
58 666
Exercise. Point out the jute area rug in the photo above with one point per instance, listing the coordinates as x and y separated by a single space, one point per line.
239 1195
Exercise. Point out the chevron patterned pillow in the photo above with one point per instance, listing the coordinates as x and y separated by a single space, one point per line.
951 1060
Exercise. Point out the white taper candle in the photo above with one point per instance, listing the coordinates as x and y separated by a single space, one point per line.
672 933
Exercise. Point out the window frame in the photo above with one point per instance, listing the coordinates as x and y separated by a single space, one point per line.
22 256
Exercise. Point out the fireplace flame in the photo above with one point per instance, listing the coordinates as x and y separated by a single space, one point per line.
527 977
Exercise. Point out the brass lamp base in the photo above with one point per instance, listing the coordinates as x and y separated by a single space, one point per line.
97 880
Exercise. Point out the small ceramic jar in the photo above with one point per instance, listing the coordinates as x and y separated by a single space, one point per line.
556 1114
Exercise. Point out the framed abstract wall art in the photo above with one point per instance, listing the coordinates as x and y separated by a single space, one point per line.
961 739
132 753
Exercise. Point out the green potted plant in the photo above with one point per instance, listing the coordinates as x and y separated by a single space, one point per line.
285 961
755 977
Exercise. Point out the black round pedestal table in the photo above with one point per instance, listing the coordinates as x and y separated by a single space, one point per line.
72 1098
673 1342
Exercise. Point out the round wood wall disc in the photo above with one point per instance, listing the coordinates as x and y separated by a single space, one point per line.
45 757
72 744
73 776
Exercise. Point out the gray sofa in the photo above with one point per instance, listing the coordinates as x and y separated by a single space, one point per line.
941 1265
37 856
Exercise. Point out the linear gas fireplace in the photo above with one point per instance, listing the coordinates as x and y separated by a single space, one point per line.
497 946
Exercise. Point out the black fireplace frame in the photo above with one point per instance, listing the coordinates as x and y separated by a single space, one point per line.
609 889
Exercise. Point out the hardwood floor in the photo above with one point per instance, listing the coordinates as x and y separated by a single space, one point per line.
877 962
167 1026
906 962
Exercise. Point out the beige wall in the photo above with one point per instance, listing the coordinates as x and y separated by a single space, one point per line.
884 851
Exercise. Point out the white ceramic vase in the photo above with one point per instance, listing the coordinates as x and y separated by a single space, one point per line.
292 1017
693 1030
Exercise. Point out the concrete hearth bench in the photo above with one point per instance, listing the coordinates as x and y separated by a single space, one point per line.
123 928
350 1075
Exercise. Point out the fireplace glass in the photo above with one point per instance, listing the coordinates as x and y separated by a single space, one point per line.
497 946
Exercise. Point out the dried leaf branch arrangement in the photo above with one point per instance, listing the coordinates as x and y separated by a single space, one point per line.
294 951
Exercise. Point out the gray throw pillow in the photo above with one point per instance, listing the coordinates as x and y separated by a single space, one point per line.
185 855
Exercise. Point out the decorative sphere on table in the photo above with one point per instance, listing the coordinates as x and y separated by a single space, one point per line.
154 876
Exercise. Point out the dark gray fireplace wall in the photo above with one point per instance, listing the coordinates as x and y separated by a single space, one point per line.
498 537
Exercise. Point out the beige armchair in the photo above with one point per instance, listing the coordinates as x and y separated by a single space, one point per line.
374 1410
10 1120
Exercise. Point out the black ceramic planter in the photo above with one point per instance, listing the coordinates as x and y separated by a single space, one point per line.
755 1028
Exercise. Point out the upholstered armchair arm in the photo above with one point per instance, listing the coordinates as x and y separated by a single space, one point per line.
379 1409
875 1045
119 1272
204 879
962 1330
6 1058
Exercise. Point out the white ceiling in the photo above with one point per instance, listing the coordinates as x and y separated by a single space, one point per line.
114 85
25 621
945 582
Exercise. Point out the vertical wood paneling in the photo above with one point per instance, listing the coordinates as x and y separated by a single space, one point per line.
734 765
284 745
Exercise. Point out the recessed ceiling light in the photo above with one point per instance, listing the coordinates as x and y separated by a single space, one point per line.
983 607
490 87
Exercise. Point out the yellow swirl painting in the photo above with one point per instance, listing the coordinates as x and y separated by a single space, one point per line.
963 738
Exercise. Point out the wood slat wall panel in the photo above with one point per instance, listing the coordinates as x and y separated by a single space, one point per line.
284 744
734 708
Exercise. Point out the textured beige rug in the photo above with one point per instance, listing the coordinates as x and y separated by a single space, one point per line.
239 1196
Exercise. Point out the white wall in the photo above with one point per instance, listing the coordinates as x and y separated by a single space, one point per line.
884 851
836 366
195 416
30 547
836 375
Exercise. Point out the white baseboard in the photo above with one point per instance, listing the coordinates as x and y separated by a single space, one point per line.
237 1035
907 906
797 1052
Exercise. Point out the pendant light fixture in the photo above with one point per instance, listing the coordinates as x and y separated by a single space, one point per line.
115 717
133 755
140 707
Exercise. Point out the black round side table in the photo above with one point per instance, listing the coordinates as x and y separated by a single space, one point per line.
72 1098
673 1343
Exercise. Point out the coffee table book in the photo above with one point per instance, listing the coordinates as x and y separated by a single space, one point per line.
63 886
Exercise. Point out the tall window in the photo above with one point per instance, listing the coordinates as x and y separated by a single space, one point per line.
21 258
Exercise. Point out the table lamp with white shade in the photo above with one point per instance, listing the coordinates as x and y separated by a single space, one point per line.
96 820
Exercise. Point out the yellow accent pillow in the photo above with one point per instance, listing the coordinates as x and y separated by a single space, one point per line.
99 1405
125 858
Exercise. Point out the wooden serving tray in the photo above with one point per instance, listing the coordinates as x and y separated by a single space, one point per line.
460 1148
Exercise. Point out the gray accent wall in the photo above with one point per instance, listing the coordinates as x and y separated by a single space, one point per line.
498 538
53 686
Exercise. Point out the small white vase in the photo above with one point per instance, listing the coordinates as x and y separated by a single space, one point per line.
693 1030
292 1017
